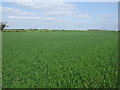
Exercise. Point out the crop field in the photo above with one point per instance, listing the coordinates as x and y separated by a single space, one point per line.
0 59
60 59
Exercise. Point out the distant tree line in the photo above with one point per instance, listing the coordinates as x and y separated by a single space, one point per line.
3 25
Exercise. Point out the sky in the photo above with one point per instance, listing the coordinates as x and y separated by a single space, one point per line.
60 15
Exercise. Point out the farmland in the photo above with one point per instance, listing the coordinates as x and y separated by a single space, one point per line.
0 59
60 59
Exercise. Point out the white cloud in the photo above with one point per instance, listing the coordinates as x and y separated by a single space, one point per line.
17 14
60 0
94 0
84 16
0 14
49 19
30 18
105 16
0 8
35 0
59 13
23 17
47 5
15 11
50 8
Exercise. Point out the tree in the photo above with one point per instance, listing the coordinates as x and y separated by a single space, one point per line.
2 25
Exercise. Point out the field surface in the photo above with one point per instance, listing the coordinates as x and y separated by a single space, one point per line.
59 59
0 60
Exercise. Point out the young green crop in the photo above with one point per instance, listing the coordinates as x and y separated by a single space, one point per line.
60 59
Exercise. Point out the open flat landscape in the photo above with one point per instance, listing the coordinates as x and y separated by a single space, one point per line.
60 59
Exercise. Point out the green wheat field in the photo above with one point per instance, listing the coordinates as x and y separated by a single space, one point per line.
60 59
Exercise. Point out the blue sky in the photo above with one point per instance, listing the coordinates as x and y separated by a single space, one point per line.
61 15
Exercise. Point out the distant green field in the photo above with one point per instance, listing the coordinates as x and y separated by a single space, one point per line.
61 59
0 59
